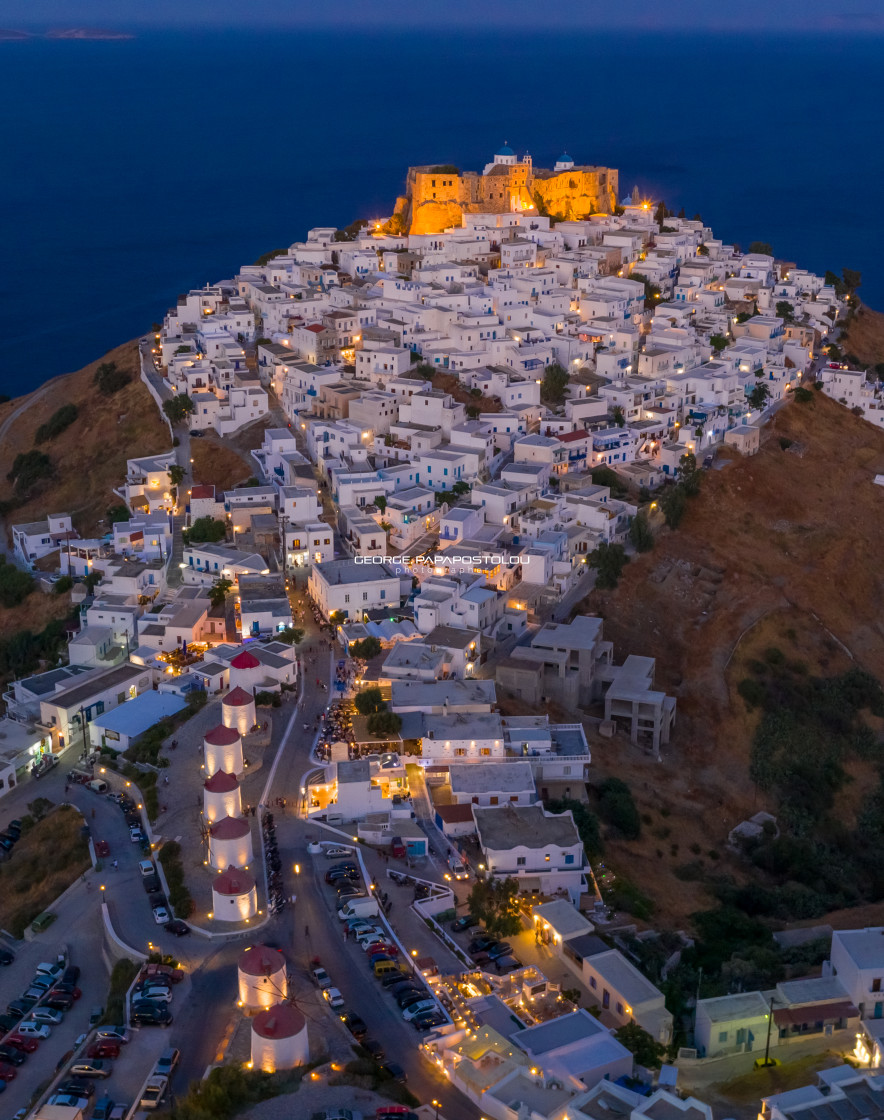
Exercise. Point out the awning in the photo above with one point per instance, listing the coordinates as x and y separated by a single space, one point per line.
814 1013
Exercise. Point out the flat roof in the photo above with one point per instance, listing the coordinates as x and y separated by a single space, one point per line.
477 777
562 916
502 828
141 713
72 697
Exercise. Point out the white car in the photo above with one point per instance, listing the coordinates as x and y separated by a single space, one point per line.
333 997
418 1009
33 1030
146 868
161 915
155 995
135 834
153 1092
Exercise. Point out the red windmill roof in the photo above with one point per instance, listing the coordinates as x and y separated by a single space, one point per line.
221 782
245 660
222 736
238 698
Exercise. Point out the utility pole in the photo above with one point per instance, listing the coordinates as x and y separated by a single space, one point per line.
767 1061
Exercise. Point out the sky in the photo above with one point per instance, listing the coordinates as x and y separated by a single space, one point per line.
846 16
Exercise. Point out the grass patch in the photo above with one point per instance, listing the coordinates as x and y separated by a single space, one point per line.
45 862
748 1087
229 1089
122 977
179 895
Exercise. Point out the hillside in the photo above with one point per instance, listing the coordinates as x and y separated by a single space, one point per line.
864 336
778 551
90 456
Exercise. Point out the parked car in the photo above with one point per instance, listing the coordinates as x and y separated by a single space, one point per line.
154 995
177 927
13 1056
146 867
6 957
373 1048
71 974
501 949
51 969
18 1008
160 915
69 1100
355 1025
151 883
104 1109
415 1009
45 1015
404 984
333 997
167 1062
428 1020
114 1033
321 978
63 988
506 964
104 1048
151 1014
78 1085
91 1067
399 976
22 1042
466 921
390 1069
408 999
482 943
135 834
7 1071
59 1001
153 1092
336 853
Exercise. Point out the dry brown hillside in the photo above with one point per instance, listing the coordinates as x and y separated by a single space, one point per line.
865 336
782 549
91 454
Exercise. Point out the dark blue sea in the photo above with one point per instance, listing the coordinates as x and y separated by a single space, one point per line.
135 170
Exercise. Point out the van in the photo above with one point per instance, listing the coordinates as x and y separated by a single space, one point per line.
359 908
384 968
33 1030
98 786
42 921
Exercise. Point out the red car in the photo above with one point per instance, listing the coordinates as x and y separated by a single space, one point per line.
106 1049
7 1072
381 947
66 990
102 848
19 1042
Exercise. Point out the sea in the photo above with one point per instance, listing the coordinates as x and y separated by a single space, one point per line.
135 170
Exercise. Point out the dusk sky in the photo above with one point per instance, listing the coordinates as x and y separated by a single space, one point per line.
861 16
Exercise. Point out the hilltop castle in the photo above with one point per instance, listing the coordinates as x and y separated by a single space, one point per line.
438 196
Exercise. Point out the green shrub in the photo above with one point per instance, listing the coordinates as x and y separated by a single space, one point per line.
752 692
61 419
109 379
121 979
15 585
617 808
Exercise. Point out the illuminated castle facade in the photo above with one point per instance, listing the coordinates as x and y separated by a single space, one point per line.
438 196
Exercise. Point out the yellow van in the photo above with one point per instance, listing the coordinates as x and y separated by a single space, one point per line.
384 968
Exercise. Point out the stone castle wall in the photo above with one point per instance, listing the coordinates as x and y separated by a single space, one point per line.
437 200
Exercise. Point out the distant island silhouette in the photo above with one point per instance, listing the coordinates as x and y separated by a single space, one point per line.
8 35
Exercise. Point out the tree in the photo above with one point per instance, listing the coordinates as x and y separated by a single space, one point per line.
673 504
291 636
178 408
496 903
640 536
380 502
554 384
682 214
117 513
91 581
28 469
63 584
176 474
802 396
785 310
618 416
369 701
366 648
109 379
15 585
690 474
473 411
609 560
759 395
718 342
646 1050
384 724
586 821
460 487
265 258
219 590
761 247
851 279
205 530
617 808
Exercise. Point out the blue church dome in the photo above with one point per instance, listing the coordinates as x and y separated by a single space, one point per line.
506 150
565 159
